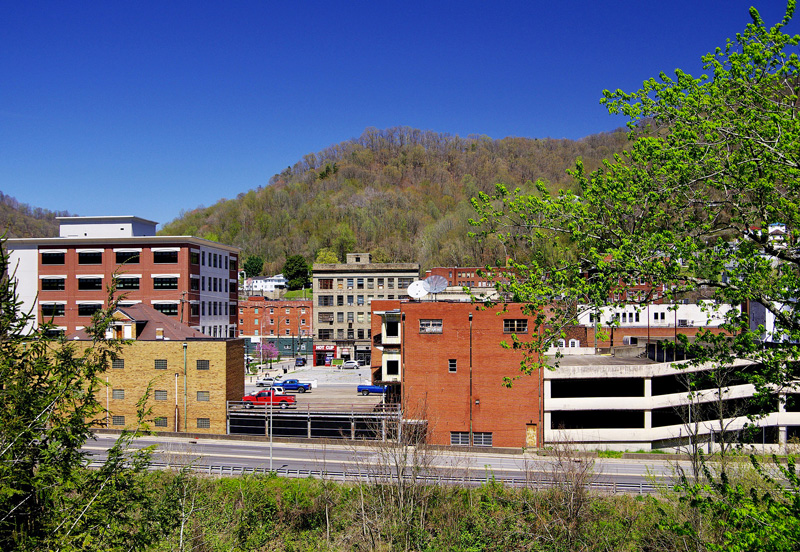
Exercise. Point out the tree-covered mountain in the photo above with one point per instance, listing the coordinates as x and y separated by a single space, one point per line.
20 220
400 193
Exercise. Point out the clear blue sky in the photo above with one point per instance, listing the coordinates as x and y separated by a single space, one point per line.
150 108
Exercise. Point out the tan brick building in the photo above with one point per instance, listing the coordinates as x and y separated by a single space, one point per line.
190 375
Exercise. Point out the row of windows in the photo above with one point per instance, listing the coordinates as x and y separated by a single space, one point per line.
121 257
364 283
202 423
288 310
159 364
272 321
359 300
327 334
160 395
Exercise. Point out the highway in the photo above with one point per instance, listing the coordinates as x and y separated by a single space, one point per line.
373 460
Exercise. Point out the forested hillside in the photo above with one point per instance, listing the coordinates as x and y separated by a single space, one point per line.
400 193
20 220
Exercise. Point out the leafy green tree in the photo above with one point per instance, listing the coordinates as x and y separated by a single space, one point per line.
296 270
326 255
343 239
379 255
49 499
252 265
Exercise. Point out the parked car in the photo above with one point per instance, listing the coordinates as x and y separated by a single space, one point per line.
300 361
351 364
295 385
267 381
269 396
377 389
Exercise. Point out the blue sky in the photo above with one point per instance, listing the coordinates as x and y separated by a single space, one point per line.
151 108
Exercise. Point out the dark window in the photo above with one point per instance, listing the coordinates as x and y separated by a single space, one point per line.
52 258
118 420
90 284
127 257
165 283
52 284
340 300
326 334
452 365
392 328
194 284
169 309
515 325
127 283
88 309
165 257
392 367
90 258
326 283
203 364
597 387
52 310
160 364
325 301
194 309
118 363
194 257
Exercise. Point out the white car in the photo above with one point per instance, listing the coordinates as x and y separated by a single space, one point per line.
351 364
266 381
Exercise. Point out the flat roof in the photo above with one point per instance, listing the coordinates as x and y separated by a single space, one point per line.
120 240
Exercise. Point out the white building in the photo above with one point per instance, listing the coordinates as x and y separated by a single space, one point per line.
260 285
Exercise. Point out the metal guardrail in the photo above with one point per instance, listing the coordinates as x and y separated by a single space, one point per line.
222 470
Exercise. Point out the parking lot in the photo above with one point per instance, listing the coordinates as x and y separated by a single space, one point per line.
333 385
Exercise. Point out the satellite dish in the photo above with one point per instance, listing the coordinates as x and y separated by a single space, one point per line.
435 284
416 290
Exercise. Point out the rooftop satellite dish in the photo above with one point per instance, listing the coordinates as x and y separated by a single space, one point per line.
416 290
435 284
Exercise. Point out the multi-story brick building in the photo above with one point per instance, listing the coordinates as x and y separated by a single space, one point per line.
342 295
190 376
285 323
451 367
462 276
64 279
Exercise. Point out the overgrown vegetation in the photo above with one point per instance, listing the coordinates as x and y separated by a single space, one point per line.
401 193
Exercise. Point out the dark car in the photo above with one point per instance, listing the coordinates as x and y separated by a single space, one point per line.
300 361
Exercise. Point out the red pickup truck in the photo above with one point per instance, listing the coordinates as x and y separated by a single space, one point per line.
268 396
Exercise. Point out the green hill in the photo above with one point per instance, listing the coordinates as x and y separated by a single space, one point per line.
401 193
20 220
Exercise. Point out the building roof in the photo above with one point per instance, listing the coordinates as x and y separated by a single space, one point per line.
120 240
151 325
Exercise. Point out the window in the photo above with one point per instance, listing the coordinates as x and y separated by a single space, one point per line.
515 325
127 257
392 367
165 257
390 283
360 334
325 301
126 282
52 258
482 439
203 423
326 334
88 309
160 394
380 283
118 420
194 309
340 333
340 317
287 321
203 364
637 316
203 396
340 300
288 332
194 257
452 365
430 326
392 328
118 394
90 284
574 343
194 284
326 283
168 309
118 363
160 364
160 422
287 310
370 283
52 310
360 300
349 283
349 300
360 317
359 283
459 438
350 316
90 257
52 284
403 283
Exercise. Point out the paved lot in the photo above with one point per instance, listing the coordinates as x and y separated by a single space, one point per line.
334 385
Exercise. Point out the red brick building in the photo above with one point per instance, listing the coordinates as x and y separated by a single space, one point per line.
462 276
451 366
286 323
65 278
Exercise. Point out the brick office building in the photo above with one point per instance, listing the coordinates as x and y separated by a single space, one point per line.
286 323
191 376
451 366
65 278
